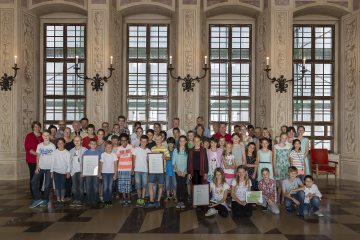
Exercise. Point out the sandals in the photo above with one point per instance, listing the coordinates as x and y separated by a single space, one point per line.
279 204
282 203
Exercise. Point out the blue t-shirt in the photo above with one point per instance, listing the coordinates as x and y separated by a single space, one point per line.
89 152
170 170
176 143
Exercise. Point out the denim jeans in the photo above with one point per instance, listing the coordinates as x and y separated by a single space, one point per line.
78 186
92 189
300 196
314 203
141 180
147 189
301 177
35 185
108 180
68 185
60 180
170 181
274 210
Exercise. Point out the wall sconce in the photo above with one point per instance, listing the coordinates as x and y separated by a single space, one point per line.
7 81
97 81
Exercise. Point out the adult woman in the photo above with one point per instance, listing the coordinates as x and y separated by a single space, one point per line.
69 143
265 134
31 142
244 139
304 146
199 130
53 131
291 134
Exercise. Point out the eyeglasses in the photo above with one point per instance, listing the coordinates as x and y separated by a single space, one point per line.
123 140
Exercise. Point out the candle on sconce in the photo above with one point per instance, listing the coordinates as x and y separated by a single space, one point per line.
267 61
170 60
111 60
205 60
76 60
304 62
15 59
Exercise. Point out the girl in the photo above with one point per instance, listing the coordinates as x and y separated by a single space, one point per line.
190 137
199 130
100 142
134 134
237 149
304 146
222 143
249 160
60 171
214 155
229 163
291 134
136 141
265 134
265 158
219 189
239 187
244 139
268 188
297 159
207 143
281 163
197 166
53 131
179 162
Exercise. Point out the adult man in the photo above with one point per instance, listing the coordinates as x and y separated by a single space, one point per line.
60 131
105 127
222 132
257 134
176 124
123 129
215 127
77 131
84 123
200 120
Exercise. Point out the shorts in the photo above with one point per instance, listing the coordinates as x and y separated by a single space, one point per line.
141 180
159 177
124 179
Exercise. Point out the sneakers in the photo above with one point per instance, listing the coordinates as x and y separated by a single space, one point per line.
106 204
117 197
78 203
138 202
182 205
57 204
265 209
300 214
123 203
149 205
134 192
157 204
44 203
36 203
318 214
175 199
128 203
189 198
289 209
73 204
211 212
110 204
167 199
178 205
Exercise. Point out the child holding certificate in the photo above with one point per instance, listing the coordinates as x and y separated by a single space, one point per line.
268 188
239 186
198 165
108 172
229 163
219 189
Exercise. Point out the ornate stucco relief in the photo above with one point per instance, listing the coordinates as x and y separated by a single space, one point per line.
262 65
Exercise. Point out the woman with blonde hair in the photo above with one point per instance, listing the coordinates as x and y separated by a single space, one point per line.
265 134
244 139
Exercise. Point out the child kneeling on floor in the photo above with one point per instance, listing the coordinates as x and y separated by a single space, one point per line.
268 188
239 186
219 189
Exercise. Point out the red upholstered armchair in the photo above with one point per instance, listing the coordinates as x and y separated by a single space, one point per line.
320 163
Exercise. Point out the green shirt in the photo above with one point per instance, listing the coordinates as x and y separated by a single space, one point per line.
191 145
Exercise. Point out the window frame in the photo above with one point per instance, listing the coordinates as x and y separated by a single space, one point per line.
64 60
147 61
230 123
313 98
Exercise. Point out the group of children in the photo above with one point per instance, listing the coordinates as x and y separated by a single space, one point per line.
230 168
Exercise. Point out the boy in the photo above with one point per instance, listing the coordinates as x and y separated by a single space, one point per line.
190 137
136 141
159 177
44 152
92 182
116 131
312 196
75 171
170 178
163 138
176 134
125 168
289 190
134 134
237 129
91 135
150 134
251 130
140 168
115 143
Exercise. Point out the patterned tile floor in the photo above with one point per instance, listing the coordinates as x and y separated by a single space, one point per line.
340 206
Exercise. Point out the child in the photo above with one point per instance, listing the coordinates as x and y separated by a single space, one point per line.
281 163
125 168
229 163
239 186
159 177
100 142
268 188
163 138
289 190
86 140
265 158
297 159
219 189
115 143
214 155
265 134
207 143
237 149
44 152
136 141
134 134
190 137
250 161
76 171
176 134
150 134
92 182
60 170
237 129
108 172
116 130
222 143
141 170
170 178
179 161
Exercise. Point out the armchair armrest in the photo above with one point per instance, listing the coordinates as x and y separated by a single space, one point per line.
333 162
314 161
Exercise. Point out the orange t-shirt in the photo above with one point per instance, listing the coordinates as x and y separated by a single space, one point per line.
125 157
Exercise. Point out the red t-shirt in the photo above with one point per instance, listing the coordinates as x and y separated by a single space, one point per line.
86 141
31 142
227 136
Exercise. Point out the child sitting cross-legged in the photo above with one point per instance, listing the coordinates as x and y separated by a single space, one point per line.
268 188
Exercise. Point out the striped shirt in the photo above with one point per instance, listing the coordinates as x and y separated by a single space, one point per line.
298 160
161 149
125 157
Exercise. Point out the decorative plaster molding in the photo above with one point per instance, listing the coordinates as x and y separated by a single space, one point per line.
7 1
98 1
202 84
80 2
282 2
166 2
356 5
266 4
40 1
113 3
213 2
6 96
253 3
24 3
174 26
262 65
189 2
117 63
350 84
343 4
126 2
302 3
